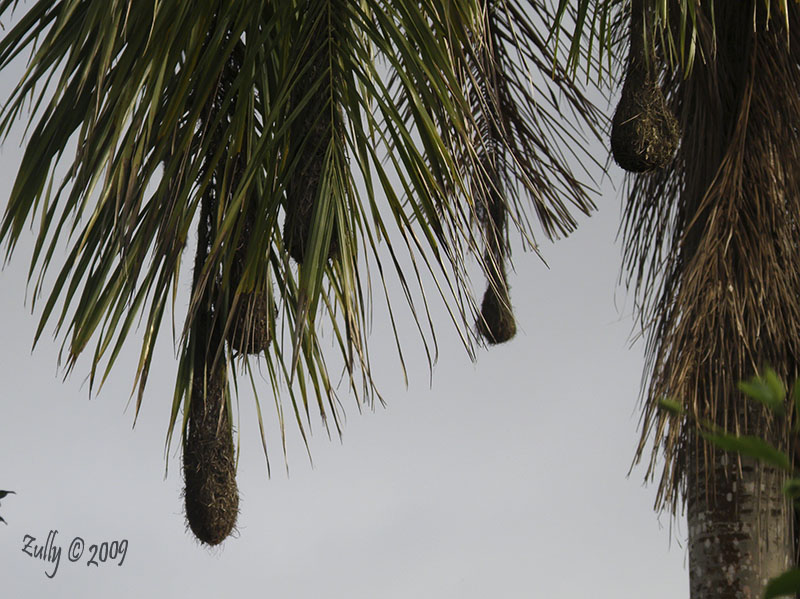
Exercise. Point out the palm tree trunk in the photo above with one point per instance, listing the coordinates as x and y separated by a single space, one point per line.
739 532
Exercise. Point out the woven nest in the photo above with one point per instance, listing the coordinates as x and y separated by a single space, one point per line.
301 194
497 324
644 132
211 495
310 137
249 333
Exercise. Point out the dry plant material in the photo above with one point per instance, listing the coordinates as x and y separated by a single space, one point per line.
644 132
209 468
711 246
250 332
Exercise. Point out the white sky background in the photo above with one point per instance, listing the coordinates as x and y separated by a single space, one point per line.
505 478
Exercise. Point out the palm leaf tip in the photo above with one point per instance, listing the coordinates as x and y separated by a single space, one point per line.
211 494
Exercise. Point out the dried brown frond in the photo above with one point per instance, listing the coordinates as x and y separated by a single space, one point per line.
711 242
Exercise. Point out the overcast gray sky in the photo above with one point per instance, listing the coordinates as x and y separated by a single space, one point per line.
504 478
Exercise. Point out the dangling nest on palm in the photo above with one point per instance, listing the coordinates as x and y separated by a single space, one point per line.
301 196
209 466
211 496
644 132
250 331
497 114
496 323
310 137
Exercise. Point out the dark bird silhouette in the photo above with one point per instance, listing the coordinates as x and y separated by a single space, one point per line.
3 494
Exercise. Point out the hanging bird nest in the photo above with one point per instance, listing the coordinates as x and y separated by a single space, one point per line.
644 132
211 496
250 332
301 197
209 467
311 134
496 323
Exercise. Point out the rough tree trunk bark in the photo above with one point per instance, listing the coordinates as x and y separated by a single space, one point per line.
739 526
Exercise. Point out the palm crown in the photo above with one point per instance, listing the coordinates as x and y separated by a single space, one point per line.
312 144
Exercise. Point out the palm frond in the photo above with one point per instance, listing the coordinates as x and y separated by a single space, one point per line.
354 123
595 25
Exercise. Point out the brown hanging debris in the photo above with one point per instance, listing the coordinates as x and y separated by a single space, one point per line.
248 331
211 495
644 132
209 468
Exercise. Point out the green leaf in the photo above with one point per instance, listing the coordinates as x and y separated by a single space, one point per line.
791 488
785 585
753 447
768 390
775 384
671 406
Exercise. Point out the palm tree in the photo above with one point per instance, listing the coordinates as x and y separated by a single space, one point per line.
711 250
319 147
